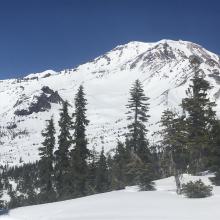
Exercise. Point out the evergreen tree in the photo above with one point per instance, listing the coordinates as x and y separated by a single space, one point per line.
214 157
26 186
80 153
174 144
140 161
118 165
47 192
102 179
93 164
1 193
139 173
62 164
146 177
200 119
138 117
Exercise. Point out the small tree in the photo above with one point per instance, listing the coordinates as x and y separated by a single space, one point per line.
146 177
118 165
1 194
196 189
92 166
139 173
173 144
214 156
102 178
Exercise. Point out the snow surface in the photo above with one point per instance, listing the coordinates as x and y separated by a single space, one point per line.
128 204
163 67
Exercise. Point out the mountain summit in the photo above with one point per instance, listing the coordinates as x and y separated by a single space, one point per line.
164 68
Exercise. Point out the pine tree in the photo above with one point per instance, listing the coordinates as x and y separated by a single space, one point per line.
139 173
200 119
102 179
62 164
93 166
214 156
80 153
174 144
1 194
27 186
118 167
47 192
140 161
138 117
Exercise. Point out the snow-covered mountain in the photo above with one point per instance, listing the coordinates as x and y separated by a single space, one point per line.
128 204
164 68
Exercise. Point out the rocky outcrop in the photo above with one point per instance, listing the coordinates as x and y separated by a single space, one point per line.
40 103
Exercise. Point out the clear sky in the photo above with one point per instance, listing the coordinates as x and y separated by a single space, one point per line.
36 35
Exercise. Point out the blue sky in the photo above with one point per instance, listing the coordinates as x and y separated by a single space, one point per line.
36 35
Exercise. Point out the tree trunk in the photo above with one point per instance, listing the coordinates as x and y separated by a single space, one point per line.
176 174
178 183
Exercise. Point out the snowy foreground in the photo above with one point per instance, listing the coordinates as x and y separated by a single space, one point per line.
127 204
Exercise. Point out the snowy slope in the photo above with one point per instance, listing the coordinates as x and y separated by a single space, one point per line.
164 68
128 204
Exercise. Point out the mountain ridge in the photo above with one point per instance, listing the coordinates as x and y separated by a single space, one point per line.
164 68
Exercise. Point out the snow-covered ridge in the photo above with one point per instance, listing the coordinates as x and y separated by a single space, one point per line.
43 74
164 67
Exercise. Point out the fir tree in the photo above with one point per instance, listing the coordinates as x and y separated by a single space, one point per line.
136 141
93 164
139 173
1 193
174 144
214 156
118 167
138 117
27 185
80 153
200 119
102 179
47 192
62 164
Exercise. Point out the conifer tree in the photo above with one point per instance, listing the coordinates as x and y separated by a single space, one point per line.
214 156
26 186
119 166
80 153
174 144
62 164
102 180
200 119
140 161
93 164
47 192
1 194
138 108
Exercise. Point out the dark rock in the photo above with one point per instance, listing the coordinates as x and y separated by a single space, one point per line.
47 75
42 103
55 98
217 94
11 126
47 90
216 76
211 62
195 60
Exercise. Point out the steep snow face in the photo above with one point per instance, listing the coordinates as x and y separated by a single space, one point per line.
128 204
164 68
